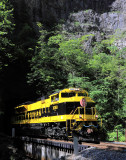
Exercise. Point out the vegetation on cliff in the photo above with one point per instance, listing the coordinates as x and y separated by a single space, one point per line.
6 27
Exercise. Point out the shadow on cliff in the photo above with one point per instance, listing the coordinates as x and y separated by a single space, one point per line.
51 11
99 6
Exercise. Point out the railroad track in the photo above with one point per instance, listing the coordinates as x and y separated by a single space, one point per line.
108 145
103 145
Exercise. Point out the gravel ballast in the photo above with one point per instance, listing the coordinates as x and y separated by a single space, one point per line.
98 154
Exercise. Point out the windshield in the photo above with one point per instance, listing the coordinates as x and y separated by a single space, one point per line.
67 95
82 94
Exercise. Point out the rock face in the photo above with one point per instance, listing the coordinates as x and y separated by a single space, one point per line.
54 10
105 16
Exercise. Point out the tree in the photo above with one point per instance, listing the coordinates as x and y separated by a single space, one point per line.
6 28
59 61
109 84
46 65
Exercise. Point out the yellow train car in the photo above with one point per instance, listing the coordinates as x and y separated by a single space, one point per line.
59 116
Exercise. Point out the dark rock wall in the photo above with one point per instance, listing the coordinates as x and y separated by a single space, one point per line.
54 10
111 12
93 15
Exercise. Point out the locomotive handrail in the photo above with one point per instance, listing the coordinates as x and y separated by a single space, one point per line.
96 112
71 112
78 108
100 118
93 113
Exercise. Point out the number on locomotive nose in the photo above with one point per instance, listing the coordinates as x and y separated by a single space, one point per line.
55 107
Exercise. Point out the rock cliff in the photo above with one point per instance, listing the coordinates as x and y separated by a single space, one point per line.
83 16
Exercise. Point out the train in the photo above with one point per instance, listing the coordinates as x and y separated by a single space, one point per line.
61 115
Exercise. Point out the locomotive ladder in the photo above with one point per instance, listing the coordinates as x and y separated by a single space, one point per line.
71 124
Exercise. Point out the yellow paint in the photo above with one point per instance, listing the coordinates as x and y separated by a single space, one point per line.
55 107
61 118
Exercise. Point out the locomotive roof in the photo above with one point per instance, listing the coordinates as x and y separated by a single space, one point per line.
69 90
73 89
56 92
44 97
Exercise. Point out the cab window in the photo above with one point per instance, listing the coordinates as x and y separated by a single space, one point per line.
82 94
66 95
55 98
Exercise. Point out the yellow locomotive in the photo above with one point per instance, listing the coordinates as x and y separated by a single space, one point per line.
58 116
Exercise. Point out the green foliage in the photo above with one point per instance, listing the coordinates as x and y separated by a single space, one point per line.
45 66
79 82
76 24
57 62
6 28
56 39
112 136
109 84
118 131
86 11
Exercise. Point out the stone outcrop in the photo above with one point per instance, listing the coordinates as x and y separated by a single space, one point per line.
83 16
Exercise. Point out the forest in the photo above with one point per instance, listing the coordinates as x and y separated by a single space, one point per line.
36 64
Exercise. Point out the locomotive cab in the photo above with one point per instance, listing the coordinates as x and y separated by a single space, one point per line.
71 99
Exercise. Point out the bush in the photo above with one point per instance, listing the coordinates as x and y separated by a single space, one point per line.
112 136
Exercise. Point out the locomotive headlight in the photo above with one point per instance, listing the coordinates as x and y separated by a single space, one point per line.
80 116
96 116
